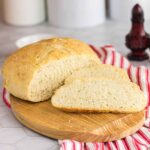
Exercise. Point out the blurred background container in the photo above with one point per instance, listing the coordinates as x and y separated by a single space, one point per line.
69 13
24 12
120 10
76 13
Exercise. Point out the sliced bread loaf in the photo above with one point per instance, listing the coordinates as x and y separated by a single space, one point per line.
35 71
99 71
99 95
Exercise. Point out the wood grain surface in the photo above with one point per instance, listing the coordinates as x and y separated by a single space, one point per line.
45 119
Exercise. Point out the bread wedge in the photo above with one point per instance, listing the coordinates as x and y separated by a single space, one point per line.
99 71
99 95
33 72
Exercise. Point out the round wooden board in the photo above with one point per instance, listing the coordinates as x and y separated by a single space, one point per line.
45 119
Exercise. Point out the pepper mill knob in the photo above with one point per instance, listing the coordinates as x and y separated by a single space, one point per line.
137 40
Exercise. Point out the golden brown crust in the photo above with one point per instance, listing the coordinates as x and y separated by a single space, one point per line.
77 110
19 68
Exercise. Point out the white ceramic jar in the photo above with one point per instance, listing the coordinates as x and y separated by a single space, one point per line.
76 13
24 12
120 10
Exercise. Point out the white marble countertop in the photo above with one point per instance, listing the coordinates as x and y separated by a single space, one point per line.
13 135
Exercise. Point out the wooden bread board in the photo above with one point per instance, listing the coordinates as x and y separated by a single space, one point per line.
45 119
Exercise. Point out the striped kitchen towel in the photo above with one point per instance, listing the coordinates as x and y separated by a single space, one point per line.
140 75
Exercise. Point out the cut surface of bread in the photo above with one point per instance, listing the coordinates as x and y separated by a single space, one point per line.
99 71
51 76
99 95
34 71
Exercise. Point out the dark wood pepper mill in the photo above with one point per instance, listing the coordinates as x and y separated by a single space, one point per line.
137 40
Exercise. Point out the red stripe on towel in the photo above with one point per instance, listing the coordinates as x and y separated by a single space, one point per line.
148 86
73 145
4 98
129 71
125 144
144 136
138 77
105 54
113 57
121 62
95 50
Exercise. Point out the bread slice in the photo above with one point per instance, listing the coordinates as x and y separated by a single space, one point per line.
99 95
33 72
99 71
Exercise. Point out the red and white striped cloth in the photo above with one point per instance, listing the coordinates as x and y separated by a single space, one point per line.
140 75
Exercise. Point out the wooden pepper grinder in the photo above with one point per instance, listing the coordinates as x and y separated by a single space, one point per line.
137 40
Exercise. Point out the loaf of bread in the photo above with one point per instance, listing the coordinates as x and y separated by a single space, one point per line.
99 71
33 72
99 95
